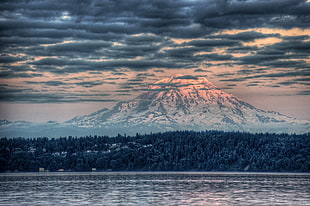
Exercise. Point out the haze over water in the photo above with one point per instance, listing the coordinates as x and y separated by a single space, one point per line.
160 188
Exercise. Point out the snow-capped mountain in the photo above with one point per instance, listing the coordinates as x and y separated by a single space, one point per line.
177 103
187 103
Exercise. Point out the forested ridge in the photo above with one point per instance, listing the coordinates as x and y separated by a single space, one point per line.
169 151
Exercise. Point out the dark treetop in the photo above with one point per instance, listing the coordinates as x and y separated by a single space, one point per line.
174 151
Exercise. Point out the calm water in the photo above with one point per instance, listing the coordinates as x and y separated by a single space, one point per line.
154 189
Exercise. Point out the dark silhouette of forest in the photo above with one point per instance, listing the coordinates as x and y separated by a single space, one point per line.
169 151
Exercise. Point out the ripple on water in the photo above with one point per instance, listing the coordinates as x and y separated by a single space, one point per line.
161 188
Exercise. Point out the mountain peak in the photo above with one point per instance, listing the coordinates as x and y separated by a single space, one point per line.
186 102
180 102
181 81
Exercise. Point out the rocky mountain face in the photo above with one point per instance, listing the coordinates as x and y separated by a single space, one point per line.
187 103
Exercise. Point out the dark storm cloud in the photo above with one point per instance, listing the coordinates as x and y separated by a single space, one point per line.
144 75
213 43
74 36
66 65
135 80
300 81
82 19
48 83
297 38
273 86
298 46
89 84
28 95
18 68
115 20
140 46
119 74
304 93
182 53
58 62
226 74
97 16
258 59
10 59
13 74
133 86
165 87
286 64
189 52
250 71
300 73
143 39
187 77
129 52
248 14
10 44
201 70
303 79
214 57
242 49
287 83
285 54
153 13
251 85
36 96
231 85
56 83
244 36
83 47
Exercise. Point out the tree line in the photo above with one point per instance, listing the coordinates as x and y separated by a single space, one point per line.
169 151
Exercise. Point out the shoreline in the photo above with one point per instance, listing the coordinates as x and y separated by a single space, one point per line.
155 173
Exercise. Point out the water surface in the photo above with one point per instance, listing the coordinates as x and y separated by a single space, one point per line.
159 188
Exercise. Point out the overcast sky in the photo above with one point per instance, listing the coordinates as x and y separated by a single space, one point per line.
62 58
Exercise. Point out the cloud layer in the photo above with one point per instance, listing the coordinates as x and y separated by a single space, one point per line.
52 51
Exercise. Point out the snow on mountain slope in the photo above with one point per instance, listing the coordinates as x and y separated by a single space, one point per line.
177 103
185 102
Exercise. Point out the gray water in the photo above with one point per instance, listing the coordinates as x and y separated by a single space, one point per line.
160 188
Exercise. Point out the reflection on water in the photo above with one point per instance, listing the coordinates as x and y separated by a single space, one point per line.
161 188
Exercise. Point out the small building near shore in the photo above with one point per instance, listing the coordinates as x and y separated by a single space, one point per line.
42 169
